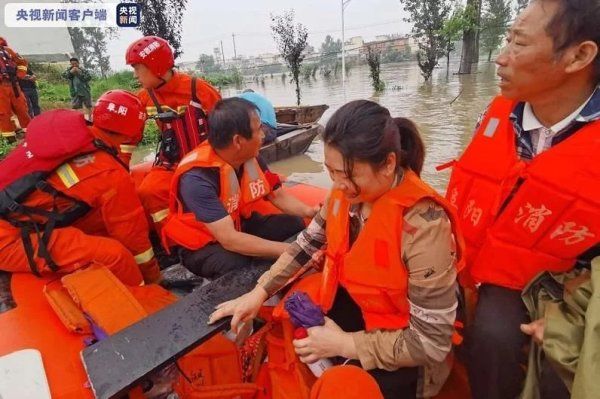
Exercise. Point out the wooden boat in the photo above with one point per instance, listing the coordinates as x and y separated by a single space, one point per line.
300 114
292 143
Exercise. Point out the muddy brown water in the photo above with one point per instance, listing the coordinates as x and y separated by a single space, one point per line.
445 120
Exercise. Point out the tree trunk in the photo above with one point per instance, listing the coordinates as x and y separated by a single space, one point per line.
477 31
468 52
490 56
447 62
297 80
470 48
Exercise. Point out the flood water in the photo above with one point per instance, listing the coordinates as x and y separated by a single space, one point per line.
446 126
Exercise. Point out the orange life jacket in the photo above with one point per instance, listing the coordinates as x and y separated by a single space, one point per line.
518 218
372 270
182 228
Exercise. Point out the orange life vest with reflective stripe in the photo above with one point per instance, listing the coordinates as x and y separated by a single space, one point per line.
182 228
518 218
372 270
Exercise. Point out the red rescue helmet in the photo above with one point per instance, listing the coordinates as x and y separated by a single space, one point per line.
3 41
152 51
121 112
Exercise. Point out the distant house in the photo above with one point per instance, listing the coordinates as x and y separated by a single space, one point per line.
387 43
353 45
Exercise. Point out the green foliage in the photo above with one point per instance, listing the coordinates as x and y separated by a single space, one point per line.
54 90
224 78
291 40
521 4
496 16
90 45
151 133
428 18
393 55
309 71
206 64
120 80
374 61
163 18
330 46
453 27
5 147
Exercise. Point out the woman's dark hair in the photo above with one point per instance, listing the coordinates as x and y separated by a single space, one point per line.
73 59
230 116
364 131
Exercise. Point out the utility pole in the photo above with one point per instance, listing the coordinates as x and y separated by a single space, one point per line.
344 4
222 54
234 52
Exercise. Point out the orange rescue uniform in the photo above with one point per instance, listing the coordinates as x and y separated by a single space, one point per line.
520 219
183 228
11 103
176 95
113 233
372 272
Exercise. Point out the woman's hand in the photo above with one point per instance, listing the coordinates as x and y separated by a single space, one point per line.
243 308
325 341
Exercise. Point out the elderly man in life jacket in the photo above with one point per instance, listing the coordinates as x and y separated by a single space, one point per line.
526 188
70 203
12 99
179 104
214 189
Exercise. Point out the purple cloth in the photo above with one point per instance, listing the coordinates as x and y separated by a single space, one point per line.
303 311
98 332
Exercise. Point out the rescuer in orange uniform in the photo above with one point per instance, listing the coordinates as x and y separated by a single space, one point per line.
152 60
211 214
12 99
112 230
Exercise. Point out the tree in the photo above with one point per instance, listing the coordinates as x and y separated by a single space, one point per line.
330 49
496 16
428 18
206 63
163 18
374 61
90 47
470 48
97 40
80 46
291 41
452 30
330 46
521 4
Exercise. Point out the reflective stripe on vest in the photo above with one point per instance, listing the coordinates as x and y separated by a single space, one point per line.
127 148
8 134
67 175
145 256
159 216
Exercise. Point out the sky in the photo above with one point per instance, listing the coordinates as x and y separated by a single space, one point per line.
206 23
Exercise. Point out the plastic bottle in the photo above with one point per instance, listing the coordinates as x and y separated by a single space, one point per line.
320 365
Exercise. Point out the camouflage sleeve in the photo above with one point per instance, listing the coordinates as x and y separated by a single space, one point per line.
429 254
309 241
85 75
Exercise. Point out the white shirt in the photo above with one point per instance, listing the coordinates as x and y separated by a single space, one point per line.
541 136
